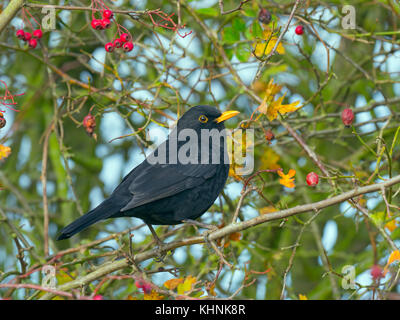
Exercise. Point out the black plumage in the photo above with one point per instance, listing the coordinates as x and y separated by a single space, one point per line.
168 193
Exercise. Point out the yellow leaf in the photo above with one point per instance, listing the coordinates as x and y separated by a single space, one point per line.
277 106
187 285
391 225
4 151
266 210
394 256
173 283
287 179
302 297
153 295
269 160
261 48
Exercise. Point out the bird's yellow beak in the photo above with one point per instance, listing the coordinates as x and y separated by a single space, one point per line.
227 115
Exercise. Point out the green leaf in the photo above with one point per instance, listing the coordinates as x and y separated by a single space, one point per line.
229 35
243 52
257 30
212 12
239 25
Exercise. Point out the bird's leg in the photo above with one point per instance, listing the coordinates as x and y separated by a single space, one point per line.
160 245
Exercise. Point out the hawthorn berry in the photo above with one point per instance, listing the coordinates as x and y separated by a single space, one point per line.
128 46
264 16
312 179
118 43
105 23
3 121
109 47
20 34
97 24
269 136
32 43
125 37
89 123
347 117
376 272
108 14
299 30
37 33
27 36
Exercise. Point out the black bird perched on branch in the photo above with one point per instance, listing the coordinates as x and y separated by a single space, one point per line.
179 188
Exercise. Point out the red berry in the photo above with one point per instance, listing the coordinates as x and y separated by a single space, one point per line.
118 43
128 46
32 43
376 272
37 33
312 179
27 36
108 14
89 123
347 117
264 16
125 37
105 23
109 47
96 24
20 34
299 30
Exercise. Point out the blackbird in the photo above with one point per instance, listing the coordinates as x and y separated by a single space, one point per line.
175 188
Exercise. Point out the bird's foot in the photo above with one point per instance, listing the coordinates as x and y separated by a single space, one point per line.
161 252
206 234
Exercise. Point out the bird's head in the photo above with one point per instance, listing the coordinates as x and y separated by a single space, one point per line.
204 117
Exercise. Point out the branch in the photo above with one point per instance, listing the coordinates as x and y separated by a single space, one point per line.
221 7
110 267
9 12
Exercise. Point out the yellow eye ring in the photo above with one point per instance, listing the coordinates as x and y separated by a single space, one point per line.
203 119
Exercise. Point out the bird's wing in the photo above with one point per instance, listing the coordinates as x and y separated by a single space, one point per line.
159 181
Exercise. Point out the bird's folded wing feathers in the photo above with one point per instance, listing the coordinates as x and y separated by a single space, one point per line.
171 179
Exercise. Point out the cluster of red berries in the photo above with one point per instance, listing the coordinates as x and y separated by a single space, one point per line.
30 38
124 39
105 23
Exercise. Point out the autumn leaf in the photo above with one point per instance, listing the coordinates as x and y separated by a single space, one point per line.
187 285
276 107
269 160
172 283
267 210
271 107
4 151
391 225
153 295
287 179
264 48
394 256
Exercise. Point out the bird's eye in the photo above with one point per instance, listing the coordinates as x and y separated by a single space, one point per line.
203 118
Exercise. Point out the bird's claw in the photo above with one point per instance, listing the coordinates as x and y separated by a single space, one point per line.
206 234
161 252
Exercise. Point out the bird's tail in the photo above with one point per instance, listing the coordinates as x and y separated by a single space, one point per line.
105 210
